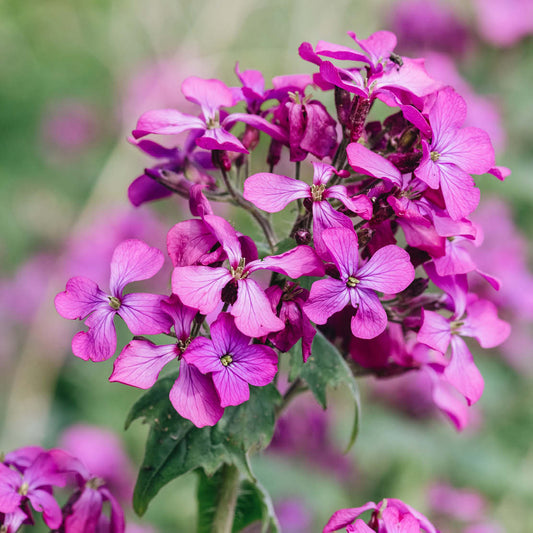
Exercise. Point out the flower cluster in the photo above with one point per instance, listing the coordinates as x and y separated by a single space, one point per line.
28 477
384 210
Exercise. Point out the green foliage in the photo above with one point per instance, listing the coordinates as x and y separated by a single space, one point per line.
176 446
253 504
326 368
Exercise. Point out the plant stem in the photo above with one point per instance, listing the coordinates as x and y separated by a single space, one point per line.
296 388
225 511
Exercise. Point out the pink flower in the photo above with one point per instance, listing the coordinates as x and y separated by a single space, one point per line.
232 361
133 260
389 271
211 95
140 362
272 193
204 287
453 154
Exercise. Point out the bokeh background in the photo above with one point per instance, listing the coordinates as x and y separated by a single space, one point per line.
75 76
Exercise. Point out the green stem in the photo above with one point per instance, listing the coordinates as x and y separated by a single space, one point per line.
227 502
296 388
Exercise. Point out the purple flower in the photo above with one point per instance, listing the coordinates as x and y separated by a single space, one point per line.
33 486
211 95
453 154
388 516
140 362
272 193
204 287
232 361
389 271
133 260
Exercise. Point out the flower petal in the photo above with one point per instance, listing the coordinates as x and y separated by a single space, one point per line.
143 314
80 298
300 261
231 389
435 331
220 139
211 94
370 319
43 502
326 298
166 122
343 247
100 341
367 162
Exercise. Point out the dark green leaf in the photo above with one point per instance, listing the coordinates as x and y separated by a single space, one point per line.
175 446
326 368
285 245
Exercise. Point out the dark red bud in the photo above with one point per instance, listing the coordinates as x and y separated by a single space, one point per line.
302 236
230 291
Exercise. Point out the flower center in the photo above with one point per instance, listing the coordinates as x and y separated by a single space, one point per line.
456 325
226 360
114 302
213 122
434 156
95 483
24 488
317 191
182 345
352 282
239 273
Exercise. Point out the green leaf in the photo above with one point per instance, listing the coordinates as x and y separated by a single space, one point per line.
253 504
175 446
285 245
326 368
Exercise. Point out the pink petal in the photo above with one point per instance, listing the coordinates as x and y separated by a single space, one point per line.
435 331
226 338
447 113
428 170
211 94
272 192
324 218
482 322
343 247
200 287
379 45
455 286
203 355
166 122
145 189
463 373
456 261
300 261
330 73
220 139
133 260
143 314
194 397
389 270
10 481
86 512
343 517
227 236
359 204
500 172
79 299
326 298
416 118
43 501
359 527
252 311
100 341
260 123
337 51
257 365
181 315
370 319
459 191
140 363
117 524
367 162
231 389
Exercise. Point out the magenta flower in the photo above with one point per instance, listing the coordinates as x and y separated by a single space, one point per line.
232 361
133 260
204 287
211 95
453 154
272 193
140 362
33 486
388 516
389 271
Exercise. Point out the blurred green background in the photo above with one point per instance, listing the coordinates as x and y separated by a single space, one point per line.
74 78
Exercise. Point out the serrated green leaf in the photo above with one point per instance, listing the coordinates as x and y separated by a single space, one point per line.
326 368
175 446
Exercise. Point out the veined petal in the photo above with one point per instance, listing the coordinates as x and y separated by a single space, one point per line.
435 331
203 355
181 315
166 122
330 73
457 260
232 389
145 189
358 527
85 513
252 311
428 170
272 192
226 338
257 365
463 373
367 162
226 236
143 314
140 363
200 287
100 341
459 191
80 298
359 204
483 324
370 319
447 113
389 270
189 242
344 517
322 173
220 139
10 481
343 247
325 218
338 51
327 296
300 261
210 94
133 260
43 502
273 131
194 397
